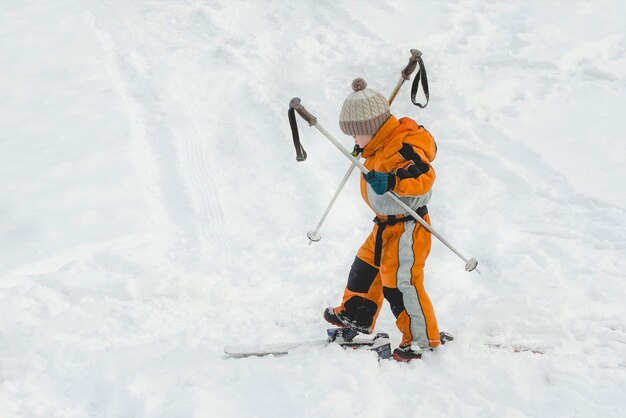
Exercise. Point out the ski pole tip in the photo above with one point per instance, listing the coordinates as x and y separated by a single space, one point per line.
313 236
471 264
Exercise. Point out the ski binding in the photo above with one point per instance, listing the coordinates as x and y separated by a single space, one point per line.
346 337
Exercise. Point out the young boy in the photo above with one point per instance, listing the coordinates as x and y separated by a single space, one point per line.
390 264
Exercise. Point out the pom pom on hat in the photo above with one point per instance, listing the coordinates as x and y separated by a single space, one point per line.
358 84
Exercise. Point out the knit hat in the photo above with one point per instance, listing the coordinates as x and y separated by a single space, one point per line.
364 111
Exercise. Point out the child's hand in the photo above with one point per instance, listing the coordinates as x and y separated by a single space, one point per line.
380 182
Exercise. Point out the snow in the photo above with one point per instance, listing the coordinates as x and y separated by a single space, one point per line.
153 212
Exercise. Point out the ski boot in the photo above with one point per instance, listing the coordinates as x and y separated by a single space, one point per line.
331 317
408 353
339 320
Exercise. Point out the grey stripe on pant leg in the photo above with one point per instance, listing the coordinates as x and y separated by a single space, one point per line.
406 259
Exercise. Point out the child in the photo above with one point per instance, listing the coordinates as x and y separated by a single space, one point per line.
390 264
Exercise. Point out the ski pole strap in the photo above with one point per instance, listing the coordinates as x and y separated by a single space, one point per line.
300 152
391 220
420 76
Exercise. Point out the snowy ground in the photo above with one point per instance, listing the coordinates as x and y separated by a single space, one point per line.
152 210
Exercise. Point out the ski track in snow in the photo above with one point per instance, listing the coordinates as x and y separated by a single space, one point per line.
181 157
127 314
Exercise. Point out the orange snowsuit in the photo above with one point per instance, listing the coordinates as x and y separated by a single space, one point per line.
390 264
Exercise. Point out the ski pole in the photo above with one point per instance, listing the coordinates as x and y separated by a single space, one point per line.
295 103
405 74
315 236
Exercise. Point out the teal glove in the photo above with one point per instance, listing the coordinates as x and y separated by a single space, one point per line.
380 182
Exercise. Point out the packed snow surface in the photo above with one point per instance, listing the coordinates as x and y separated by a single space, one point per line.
152 210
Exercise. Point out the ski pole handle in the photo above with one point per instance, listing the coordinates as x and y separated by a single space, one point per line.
405 74
297 106
410 67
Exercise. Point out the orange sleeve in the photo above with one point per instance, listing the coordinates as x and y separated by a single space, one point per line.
414 175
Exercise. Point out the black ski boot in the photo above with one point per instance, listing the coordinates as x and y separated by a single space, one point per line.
406 354
341 321
331 317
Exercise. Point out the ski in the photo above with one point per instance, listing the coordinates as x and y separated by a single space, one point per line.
260 350
344 337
